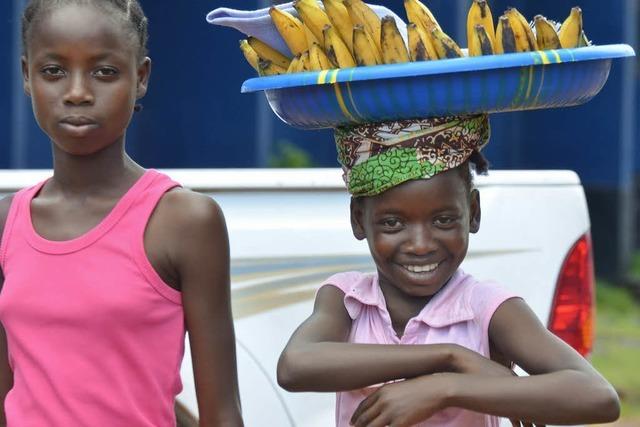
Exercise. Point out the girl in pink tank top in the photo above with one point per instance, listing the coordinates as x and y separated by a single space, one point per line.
106 265
420 342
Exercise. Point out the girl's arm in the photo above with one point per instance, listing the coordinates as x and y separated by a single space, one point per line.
6 374
317 358
563 387
200 250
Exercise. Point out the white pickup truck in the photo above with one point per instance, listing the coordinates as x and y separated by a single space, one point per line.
289 230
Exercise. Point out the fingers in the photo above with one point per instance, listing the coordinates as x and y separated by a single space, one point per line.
363 407
369 418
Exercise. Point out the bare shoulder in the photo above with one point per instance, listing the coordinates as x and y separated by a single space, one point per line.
5 204
188 208
188 227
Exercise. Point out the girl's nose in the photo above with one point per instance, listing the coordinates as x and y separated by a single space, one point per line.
421 241
79 91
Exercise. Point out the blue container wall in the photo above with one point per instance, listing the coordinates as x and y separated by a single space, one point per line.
194 115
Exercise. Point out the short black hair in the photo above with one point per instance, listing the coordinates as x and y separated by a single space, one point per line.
480 165
130 10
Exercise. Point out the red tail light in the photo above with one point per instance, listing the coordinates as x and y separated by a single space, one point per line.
573 309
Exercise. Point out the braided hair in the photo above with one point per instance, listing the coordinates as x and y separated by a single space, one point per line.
129 10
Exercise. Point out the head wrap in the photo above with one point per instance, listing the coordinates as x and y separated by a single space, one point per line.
378 156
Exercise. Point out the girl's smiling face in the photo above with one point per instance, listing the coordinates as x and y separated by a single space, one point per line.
84 76
418 232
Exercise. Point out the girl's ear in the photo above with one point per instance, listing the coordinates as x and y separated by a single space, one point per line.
25 75
474 212
144 71
357 214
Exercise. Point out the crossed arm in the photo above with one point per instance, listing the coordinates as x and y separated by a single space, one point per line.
317 358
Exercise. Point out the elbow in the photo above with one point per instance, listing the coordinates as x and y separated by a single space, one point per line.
608 405
290 371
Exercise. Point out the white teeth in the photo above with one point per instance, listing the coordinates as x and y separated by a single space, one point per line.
421 268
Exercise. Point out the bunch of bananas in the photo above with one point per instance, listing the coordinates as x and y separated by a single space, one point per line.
348 33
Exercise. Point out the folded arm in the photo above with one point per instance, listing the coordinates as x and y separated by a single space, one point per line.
563 388
318 358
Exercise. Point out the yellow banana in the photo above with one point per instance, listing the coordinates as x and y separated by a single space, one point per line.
480 43
365 51
445 46
546 34
362 14
521 26
295 63
337 49
417 44
269 68
340 19
310 37
250 54
480 14
305 61
318 60
571 31
510 36
291 30
420 14
266 52
505 39
394 50
313 16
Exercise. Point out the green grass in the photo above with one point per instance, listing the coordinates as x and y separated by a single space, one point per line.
617 346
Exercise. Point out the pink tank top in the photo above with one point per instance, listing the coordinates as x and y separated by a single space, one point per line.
95 336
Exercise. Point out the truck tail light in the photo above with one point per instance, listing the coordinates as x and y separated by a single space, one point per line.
572 313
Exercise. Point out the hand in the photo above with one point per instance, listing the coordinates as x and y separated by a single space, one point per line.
402 404
470 362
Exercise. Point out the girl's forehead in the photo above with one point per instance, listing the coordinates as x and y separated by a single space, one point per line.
447 189
79 26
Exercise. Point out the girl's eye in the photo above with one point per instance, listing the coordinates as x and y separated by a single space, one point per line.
52 71
106 72
445 220
391 223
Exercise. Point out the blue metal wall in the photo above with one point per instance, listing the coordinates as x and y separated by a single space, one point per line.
194 115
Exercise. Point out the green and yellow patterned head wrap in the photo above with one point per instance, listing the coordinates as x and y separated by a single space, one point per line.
378 156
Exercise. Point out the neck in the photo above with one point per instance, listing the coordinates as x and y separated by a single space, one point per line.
108 169
401 307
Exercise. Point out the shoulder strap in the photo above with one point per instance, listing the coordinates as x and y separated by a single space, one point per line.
16 207
142 210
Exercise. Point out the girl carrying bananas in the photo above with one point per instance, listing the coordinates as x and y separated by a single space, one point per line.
421 342
105 265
